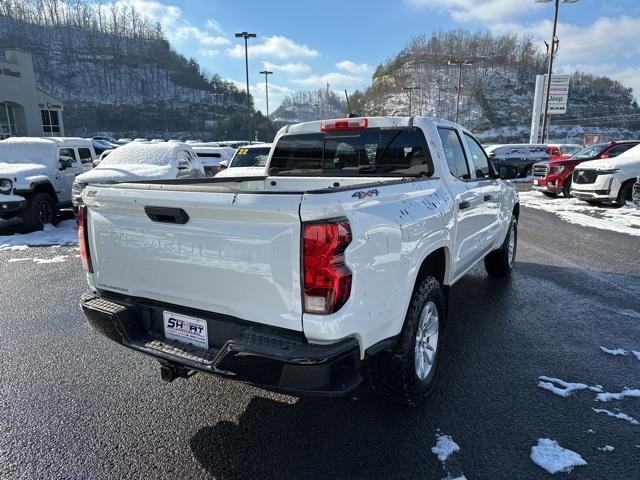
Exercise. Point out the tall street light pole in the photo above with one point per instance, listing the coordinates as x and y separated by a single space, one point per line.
266 74
460 64
552 54
247 36
410 89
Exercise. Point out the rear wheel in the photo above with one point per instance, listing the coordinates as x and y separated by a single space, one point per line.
499 263
625 193
406 374
40 211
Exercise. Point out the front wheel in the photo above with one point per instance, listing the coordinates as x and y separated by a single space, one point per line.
625 194
41 210
566 190
407 373
499 263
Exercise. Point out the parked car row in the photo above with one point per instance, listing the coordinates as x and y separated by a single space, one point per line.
517 160
600 173
40 176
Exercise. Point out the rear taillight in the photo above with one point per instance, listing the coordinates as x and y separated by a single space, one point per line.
83 239
327 280
344 124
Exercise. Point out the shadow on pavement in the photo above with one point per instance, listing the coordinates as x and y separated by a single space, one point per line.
501 335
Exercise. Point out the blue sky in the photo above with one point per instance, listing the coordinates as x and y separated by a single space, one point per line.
307 44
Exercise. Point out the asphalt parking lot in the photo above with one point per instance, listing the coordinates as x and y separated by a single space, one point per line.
75 406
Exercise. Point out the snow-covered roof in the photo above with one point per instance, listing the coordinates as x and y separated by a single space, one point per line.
139 161
158 154
28 150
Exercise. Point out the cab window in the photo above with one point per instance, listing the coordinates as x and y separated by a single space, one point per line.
68 153
479 158
454 153
85 155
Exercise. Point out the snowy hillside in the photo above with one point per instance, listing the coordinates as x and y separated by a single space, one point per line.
119 78
497 88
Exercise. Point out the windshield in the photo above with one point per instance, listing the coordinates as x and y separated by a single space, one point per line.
250 157
569 150
372 152
590 152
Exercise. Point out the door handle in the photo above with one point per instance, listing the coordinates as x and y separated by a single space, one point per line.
487 198
464 204
167 215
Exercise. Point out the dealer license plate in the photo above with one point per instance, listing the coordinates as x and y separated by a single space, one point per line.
535 182
185 329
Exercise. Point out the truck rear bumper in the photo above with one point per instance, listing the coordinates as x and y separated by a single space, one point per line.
264 356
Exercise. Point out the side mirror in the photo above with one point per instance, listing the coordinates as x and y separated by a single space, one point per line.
183 165
65 163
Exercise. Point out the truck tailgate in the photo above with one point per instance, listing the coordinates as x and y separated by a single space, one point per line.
238 254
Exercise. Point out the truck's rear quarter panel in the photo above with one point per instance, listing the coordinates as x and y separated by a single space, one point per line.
238 255
394 227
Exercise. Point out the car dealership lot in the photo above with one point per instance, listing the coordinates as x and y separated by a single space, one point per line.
76 406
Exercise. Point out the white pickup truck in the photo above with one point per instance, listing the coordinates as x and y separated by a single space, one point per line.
339 259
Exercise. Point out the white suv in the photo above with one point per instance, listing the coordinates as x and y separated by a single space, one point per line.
608 180
36 175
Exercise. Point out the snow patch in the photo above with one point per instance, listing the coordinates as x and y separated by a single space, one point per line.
565 388
445 446
617 351
637 354
622 220
56 259
607 448
64 234
549 455
620 415
607 396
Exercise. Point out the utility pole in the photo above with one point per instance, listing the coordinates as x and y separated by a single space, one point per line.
247 36
460 64
410 89
552 50
266 74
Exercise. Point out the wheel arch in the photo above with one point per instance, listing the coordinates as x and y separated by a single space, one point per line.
45 187
435 264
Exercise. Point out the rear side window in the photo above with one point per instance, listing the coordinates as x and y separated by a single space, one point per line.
454 153
208 155
85 155
479 158
371 152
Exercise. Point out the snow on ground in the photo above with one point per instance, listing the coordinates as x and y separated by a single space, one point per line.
622 220
616 351
445 446
562 388
620 415
553 458
637 354
627 392
64 234
607 448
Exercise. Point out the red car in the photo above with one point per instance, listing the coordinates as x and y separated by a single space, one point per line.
562 151
554 177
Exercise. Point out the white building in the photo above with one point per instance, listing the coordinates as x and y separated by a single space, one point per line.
25 110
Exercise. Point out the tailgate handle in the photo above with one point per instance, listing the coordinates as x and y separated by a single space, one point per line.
167 215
